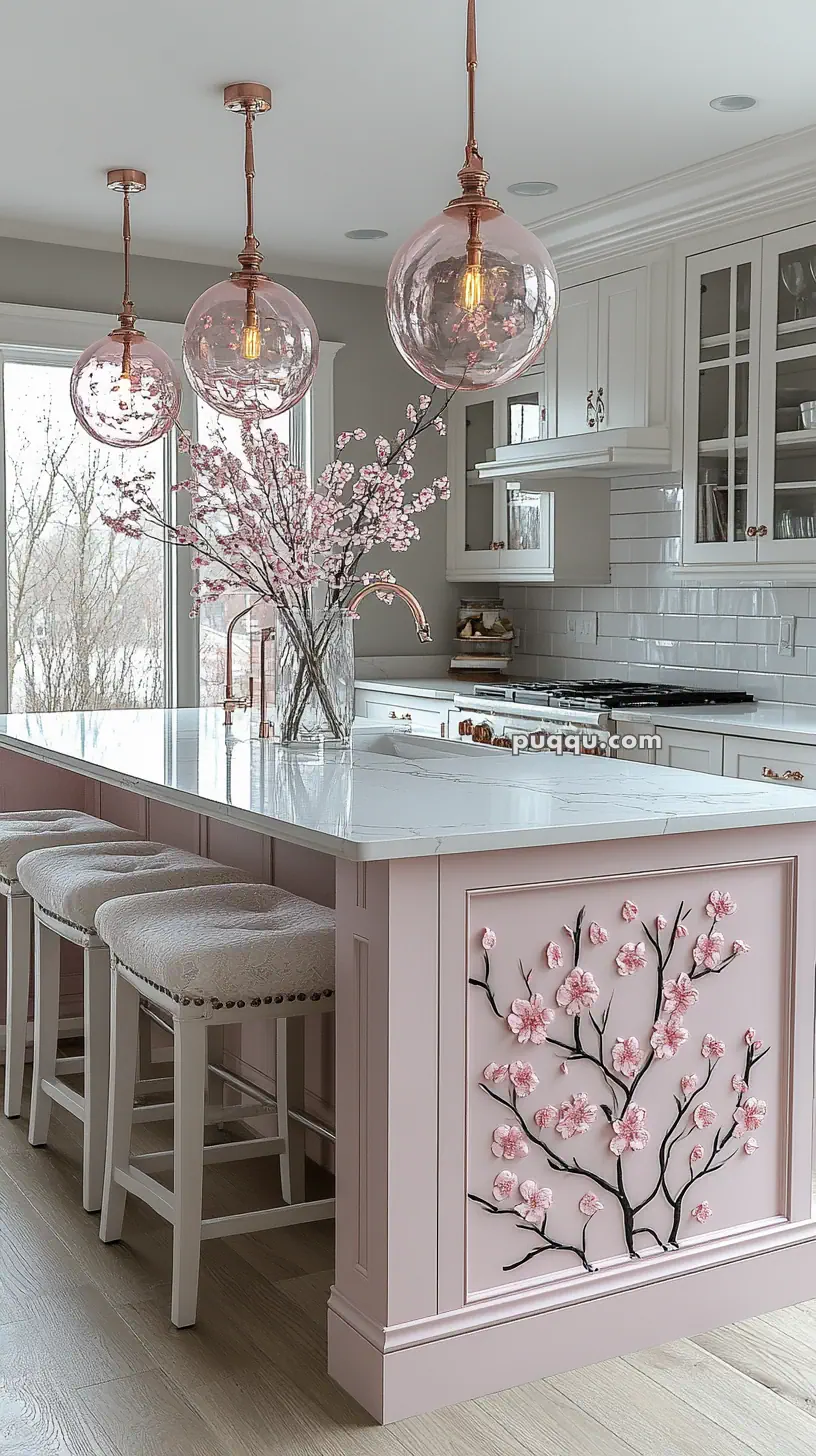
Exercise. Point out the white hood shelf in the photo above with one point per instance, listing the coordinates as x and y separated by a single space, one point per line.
643 448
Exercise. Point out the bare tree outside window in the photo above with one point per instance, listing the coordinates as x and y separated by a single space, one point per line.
86 607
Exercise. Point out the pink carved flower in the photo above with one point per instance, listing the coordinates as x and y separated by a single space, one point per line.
668 1037
505 1184
750 1147
679 996
528 1020
523 1078
589 1205
751 1039
702 1212
750 1115
493 1072
697 1152
546 1116
630 1131
627 1056
739 1083
681 931
578 993
488 939
704 1115
554 954
660 922
712 1048
719 905
739 947
576 1116
708 950
536 1202
631 958
688 1085
629 910
508 1142
597 934
564 1069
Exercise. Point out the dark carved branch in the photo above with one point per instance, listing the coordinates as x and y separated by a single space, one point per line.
486 987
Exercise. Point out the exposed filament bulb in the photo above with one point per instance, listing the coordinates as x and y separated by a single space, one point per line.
124 385
471 293
251 332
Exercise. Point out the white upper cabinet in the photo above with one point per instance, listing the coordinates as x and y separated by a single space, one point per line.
602 365
577 356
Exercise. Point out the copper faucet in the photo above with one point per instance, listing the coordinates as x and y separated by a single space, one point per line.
230 700
264 727
393 588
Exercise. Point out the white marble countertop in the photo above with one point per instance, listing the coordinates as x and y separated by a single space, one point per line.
785 722
415 687
393 795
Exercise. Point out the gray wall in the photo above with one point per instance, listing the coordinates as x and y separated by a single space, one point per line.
372 387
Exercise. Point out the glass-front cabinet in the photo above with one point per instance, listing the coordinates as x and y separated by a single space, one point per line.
749 465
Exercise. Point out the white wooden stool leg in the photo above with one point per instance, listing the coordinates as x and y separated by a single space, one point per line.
189 1072
46 1028
123 1056
97 1061
289 1075
18 976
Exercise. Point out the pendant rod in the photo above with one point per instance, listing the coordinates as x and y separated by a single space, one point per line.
471 146
127 304
249 173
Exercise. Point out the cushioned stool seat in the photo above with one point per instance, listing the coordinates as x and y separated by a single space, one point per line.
41 828
226 945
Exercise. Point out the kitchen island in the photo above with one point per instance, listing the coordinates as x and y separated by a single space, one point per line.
574 1032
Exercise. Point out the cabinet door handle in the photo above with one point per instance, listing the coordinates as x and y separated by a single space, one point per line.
762 530
401 717
751 531
590 415
790 776
601 407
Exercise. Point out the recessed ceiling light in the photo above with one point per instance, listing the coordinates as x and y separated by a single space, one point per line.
532 189
366 235
733 103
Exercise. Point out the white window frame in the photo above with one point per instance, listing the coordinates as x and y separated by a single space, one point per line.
57 336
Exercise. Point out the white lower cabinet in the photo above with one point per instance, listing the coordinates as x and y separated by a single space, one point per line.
425 715
702 752
770 761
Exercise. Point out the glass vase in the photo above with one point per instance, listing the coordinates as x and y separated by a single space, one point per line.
314 676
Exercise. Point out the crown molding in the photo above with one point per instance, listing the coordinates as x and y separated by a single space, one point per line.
765 177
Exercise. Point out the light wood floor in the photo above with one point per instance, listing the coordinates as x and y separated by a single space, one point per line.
90 1365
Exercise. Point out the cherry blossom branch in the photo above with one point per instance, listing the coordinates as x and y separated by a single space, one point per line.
485 986
548 1242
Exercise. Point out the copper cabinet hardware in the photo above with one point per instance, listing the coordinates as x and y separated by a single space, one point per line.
762 530
750 531
601 407
401 717
590 415
790 776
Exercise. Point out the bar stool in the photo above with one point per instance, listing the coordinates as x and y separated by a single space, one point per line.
21 832
67 886
216 956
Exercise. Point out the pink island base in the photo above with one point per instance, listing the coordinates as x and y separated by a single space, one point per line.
574 1106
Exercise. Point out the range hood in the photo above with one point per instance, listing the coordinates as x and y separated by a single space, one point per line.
641 449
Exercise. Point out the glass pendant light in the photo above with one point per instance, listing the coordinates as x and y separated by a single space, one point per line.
472 296
250 346
125 391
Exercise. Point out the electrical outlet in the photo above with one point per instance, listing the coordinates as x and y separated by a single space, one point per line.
582 626
787 633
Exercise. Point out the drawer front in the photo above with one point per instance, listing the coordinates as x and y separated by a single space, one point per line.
680 748
386 708
770 762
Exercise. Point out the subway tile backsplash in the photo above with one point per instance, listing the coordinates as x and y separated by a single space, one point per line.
650 628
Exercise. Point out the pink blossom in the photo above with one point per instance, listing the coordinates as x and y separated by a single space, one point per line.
630 1131
708 950
739 947
576 1116
751 1038
626 1055
688 1085
505 1184
750 1146
702 1212
660 922
679 996
631 958
668 1036
528 1020
578 993
494 1072
508 1142
712 1048
536 1202
554 954
750 1115
597 934
719 905
589 1205
704 1115
546 1117
629 910
564 1069
488 939
681 931
738 1083
523 1078
697 1152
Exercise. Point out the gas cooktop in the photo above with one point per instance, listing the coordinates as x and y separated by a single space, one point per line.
606 694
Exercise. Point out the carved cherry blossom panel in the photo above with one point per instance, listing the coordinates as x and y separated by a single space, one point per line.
627 1076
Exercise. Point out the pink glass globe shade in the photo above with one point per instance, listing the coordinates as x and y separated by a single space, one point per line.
259 369
125 408
466 333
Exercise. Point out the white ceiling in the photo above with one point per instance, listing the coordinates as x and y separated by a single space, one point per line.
367 128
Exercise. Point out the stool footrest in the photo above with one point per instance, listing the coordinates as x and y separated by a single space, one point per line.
215 1153
154 1084
70 1066
235 1112
266 1218
133 1180
66 1097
